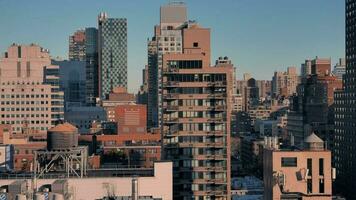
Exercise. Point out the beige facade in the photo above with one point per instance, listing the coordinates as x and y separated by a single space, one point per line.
298 174
285 83
25 99
196 118
157 186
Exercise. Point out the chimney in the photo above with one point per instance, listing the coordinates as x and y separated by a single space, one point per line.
134 189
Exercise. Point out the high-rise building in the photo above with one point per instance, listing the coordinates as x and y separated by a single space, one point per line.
312 106
264 87
345 115
77 46
30 95
91 66
251 95
72 81
112 48
167 39
142 96
285 83
252 90
305 68
340 68
196 105
298 173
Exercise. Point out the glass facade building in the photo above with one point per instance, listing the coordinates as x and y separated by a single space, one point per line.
112 49
345 113
91 66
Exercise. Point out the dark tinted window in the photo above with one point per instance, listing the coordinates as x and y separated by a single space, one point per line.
289 162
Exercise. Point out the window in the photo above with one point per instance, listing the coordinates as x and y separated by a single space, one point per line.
18 69
195 44
321 186
28 69
19 51
309 186
321 166
310 166
289 162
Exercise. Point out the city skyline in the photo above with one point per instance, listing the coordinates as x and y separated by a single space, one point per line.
293 28
195 100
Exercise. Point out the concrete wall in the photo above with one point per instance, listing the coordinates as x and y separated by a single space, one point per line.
158 186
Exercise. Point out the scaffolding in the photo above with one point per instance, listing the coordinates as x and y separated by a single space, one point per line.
72 161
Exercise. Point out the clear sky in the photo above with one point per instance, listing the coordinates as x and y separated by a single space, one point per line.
260 36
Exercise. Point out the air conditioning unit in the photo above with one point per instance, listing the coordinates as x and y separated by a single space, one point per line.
333 175
281 179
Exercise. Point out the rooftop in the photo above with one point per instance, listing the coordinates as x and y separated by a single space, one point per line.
66 127
313 138
93 173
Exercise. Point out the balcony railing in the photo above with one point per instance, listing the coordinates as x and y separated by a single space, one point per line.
170 70
170 108
169 120
217 108
217 132
171 96
216 120
217 96
171 84
217 84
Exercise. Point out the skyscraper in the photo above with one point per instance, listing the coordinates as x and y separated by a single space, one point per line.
91 66
29 89
77 46
305 68
312 106
167 39
112 49
345 113
196 110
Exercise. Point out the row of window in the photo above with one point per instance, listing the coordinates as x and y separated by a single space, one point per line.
23 109
3 116
24 102
17 96
24 122
197 77
197 90
293 162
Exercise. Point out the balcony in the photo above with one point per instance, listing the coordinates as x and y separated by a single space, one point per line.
217 96
202 144
170 108
216 120
171 96
170 133
170 84
215 144
216 157
170 120
210 193
218 108
174 145
217 84
217 132
203 168
170 70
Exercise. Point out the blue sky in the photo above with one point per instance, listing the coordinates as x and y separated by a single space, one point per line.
260 36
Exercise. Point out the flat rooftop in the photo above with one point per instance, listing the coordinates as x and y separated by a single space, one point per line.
97 173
